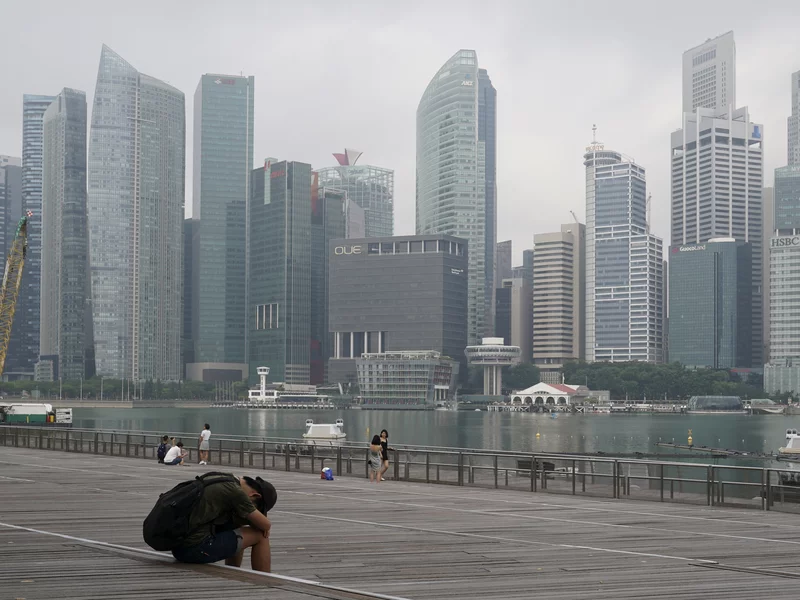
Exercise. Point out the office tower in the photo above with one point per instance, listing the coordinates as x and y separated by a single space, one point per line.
10 203
525 270
513 312
223 160
188 304
709 75
717 181
279 324
23 356
624 263
767 229
397 294
794 122
455 167
710 304
502 269
328 222
65 288
371 188
136 200
782 374
560 299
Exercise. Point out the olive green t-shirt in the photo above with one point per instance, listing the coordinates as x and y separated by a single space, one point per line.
222 503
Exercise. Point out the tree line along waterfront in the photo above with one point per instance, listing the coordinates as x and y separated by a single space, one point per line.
633 380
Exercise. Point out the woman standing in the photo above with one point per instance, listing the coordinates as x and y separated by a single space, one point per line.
384 452
375 460
205 435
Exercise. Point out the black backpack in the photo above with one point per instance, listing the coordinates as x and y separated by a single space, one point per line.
162 451
167 525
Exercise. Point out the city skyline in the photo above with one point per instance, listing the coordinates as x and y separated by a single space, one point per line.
384 111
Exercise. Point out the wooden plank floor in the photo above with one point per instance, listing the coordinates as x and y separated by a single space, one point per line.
402 539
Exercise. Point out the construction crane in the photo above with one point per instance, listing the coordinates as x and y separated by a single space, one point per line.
12 278
574 216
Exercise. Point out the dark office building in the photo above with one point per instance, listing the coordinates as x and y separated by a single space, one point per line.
396 294
328 222
188 262
502 313
710 314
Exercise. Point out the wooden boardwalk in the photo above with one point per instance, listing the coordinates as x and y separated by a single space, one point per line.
70 527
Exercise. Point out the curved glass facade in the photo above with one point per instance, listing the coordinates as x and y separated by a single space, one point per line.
371 188
136 199
716 403
451 173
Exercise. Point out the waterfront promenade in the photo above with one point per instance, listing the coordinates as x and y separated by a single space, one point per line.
70 527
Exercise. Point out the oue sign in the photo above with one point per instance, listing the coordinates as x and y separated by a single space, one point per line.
340 250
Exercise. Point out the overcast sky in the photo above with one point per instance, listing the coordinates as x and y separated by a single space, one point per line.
330 75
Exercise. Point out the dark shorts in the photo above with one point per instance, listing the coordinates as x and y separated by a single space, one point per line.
212 549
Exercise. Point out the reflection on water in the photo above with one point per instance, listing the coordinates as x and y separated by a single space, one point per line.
619 433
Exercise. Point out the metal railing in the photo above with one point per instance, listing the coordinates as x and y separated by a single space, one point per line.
660 481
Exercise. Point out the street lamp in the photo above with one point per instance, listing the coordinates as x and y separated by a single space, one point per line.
101 387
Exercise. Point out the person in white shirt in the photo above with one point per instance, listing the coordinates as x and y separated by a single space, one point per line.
204 444
175 455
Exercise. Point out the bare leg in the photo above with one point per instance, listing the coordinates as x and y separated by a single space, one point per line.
385 467
261 557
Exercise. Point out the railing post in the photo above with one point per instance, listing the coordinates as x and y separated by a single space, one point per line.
495 471
573 477
264 455
313 457
144 445
128 445
81 443
338 461
460 468
397 456
407 466
220 452
288 459
709 484
427 467
661 480
614 476
533 472
40 438
241 454
769 489
67 440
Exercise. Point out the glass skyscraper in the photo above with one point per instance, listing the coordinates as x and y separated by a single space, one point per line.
24 349
136 201
710 305
456 142
65 315
371 188
624 263
279 323
223 160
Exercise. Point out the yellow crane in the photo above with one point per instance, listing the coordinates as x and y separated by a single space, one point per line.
12 278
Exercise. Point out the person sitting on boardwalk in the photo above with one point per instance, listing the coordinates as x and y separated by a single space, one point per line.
230 516
175 455
163 448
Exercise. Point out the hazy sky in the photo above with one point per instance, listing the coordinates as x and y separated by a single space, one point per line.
350 73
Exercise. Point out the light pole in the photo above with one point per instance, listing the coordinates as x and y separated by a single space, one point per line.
81 388
101 387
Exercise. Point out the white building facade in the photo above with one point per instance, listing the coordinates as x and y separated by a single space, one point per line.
709 75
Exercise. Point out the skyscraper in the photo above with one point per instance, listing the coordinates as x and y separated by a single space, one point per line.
223 160
188 268
136 200
455 167
560 299
717 181
794 122
709 75
371 188
710 304
502 267
10 203
27 316
624 263
280 271
65 315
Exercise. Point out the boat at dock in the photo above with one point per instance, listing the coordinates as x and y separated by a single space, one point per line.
324 431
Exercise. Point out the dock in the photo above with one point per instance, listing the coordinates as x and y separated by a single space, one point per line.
70 527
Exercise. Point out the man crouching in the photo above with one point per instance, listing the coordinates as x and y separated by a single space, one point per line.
229 517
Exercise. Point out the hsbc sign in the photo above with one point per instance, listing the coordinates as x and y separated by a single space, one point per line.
782 242
346 250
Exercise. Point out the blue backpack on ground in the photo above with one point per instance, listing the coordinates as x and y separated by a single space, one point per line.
161 452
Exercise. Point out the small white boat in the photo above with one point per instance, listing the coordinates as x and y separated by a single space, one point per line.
792 443
324 431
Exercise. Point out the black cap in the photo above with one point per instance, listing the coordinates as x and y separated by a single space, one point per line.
268 493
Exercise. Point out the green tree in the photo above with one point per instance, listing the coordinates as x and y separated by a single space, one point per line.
520 377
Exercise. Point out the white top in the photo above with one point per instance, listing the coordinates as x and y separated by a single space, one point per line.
205 434
172 454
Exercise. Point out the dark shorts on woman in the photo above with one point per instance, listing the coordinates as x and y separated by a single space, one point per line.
213 548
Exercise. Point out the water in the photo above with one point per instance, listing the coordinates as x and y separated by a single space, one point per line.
617 433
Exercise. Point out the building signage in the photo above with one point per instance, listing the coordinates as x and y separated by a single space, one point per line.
456 271
692 248
467 82
276 174
346 250
782 242
225 81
